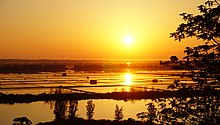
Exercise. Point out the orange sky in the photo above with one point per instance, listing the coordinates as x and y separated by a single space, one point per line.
92 29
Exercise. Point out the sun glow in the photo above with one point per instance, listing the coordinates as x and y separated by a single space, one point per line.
128 40
128 79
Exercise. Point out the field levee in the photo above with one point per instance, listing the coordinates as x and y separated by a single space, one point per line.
27 98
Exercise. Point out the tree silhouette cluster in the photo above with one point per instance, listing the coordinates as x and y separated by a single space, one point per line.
21 121
177 110
90 109
204 63
65 109
203 60
205 26
118 113
151 115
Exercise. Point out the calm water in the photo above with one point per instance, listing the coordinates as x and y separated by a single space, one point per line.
80 82
43 112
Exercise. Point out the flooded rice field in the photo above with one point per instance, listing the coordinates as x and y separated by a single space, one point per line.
80 82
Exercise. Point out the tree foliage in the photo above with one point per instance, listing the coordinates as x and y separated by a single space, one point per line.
60 108
118 113
150 115
90 109
174 59
22 121
73 107
177 110
64 109
205 26
203 61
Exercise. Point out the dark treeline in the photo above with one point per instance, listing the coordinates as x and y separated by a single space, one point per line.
118 67
36 68
47 65
26 98
31 68
81 121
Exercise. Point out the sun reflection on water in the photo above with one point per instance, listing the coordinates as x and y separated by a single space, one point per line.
128 79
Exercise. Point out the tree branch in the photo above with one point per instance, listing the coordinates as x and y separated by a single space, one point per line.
216 41
217 2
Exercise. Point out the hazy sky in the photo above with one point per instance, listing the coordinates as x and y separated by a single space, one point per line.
92 29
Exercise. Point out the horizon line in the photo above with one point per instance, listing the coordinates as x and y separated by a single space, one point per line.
95 59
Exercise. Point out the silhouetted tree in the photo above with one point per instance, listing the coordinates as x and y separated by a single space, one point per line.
204 59
179 110
205 26
204 63
174 59
150 115
22 121
73 104
60 110
90 109
118 113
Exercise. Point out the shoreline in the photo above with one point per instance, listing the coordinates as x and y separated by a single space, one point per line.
28 98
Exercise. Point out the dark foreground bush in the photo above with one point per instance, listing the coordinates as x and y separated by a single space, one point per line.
81 121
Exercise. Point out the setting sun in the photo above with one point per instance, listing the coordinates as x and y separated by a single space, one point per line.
128 79
128 40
